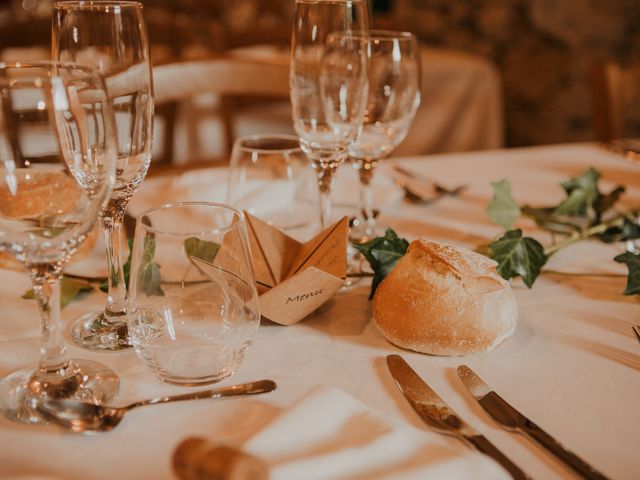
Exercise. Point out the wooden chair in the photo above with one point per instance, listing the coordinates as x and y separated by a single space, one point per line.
230 78
615 90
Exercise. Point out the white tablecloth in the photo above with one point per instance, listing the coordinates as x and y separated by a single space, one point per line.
572 366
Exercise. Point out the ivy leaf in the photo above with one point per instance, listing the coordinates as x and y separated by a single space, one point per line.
545 217
202 249
582 192
604 203
382 253
633 279
629 230
149 271
126 269
70 288
518 256
503 209
51 232
149 278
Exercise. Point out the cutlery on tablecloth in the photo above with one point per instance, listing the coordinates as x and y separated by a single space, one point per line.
437 414
513 421
412 195
83 417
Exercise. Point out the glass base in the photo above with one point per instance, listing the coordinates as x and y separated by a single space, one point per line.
93 332
89 381
355 262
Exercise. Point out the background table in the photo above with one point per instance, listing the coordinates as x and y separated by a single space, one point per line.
572 366
461 109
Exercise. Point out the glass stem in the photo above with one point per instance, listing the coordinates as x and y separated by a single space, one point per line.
112 229
366 214
325 171
46 288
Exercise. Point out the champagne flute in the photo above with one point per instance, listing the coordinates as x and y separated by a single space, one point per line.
57 160
328 84
393 98
112 36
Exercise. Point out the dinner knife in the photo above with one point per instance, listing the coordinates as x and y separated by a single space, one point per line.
439 416
512 420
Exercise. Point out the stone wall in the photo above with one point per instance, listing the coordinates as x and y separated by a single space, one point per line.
543 49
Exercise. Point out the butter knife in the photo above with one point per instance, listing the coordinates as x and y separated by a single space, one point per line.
440 417
512 420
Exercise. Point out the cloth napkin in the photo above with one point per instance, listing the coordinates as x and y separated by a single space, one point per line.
330 435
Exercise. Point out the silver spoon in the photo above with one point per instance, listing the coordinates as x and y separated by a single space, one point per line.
81 417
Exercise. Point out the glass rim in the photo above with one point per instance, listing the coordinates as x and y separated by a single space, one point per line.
378 34
95 5
174 205
267 136
88 71
330 1
50 63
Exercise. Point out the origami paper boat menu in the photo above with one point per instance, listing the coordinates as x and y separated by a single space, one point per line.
293 278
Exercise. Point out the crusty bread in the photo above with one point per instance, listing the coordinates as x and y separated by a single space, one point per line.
444 300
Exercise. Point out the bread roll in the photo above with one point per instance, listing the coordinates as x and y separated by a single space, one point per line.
444 300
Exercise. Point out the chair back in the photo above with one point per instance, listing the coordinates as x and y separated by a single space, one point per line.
232 79
615 91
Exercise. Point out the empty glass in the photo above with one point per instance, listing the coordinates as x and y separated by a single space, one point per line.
57 160
269 177
111 35
193 302
328 85
392 101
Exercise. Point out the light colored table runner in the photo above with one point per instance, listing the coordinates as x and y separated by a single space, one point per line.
572 366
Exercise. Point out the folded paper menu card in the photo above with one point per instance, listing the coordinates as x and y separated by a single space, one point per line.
331 435
293 278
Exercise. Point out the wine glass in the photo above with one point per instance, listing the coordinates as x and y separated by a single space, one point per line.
392 100
328 84
194 304
112 36
269 177
57 152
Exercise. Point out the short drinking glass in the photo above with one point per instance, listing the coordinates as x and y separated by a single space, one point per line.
270 177
193 301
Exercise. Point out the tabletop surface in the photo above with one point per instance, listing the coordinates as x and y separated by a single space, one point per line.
572 366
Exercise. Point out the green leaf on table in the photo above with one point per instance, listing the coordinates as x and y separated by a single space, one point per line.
382 253
70 288
126 269
582 192
633 279
202 249
503 209
518 256
51 232
545 217
605 202
629 230
149 271
149 279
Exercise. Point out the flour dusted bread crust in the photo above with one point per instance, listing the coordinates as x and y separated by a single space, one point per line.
444 300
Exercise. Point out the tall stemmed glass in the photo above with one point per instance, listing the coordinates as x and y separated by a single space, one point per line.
57 159
328 84
393 98
113 37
